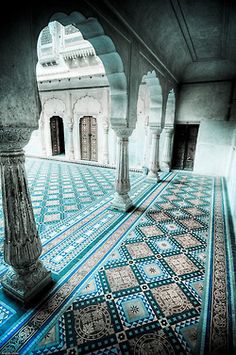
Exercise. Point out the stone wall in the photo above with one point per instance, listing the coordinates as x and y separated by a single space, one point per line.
209 105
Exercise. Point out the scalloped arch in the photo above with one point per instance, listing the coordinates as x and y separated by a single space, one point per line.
84 103
104 47
156 97
54 107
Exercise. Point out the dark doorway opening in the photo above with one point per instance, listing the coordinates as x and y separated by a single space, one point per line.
184 148
57 135
88 138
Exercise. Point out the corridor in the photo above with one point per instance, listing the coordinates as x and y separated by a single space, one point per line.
125 282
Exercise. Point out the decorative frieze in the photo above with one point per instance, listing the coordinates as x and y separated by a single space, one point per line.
14 138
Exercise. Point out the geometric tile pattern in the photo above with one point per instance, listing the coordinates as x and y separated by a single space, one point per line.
146 282
60 190
6 313
146 294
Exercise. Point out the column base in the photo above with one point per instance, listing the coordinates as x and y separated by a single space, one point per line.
165 167
121 202
25 287
153 177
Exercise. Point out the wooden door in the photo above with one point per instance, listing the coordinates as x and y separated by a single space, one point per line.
57 135
184 146
88 138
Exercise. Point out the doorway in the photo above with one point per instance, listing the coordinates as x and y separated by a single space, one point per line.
88 138
185 141
57 135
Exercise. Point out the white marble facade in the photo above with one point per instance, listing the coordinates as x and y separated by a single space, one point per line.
73 84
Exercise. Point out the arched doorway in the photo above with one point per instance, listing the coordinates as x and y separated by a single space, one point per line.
88 138
57 135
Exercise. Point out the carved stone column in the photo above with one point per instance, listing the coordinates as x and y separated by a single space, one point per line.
166 158
71 142
105 145
122 201
153 175
22 246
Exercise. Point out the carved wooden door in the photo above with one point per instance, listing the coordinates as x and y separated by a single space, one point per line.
57 135
184 146
88 138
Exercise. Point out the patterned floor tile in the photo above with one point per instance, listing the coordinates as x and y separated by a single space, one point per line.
145 296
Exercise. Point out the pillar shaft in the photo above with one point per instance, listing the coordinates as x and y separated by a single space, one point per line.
22 246
105 146
154 156
166 158
42 135
122 200
71 142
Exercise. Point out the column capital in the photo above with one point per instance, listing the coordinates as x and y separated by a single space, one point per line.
13 157
156 129
123 132
14 138
169 128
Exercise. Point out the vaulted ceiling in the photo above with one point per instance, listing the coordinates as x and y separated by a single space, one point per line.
195 39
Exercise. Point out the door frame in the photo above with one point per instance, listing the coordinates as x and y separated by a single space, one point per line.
186 124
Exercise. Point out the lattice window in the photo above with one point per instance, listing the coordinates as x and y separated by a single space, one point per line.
46 37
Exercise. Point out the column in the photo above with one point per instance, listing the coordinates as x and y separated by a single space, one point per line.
167 151
105 146
145 168
153 175
26 276
71 141
70 126
42 137
122 201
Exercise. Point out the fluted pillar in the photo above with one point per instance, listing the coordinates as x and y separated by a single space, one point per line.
105 146
22 246
153 175
166 157
71 142
122 201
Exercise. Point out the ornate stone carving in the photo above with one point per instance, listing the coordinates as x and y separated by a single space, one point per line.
123 132
22 245
14 138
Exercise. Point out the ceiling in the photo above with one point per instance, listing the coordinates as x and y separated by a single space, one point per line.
195 39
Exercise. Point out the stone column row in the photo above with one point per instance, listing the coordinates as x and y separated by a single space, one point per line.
22 246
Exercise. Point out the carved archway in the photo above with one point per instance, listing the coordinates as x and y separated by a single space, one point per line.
105 49
51 107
